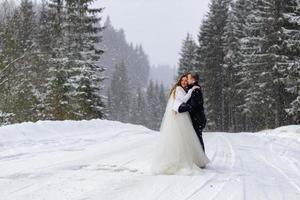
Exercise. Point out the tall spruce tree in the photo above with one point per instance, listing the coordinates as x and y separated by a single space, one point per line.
162 102
264 61
25 89
290 47
211 57
188 56
252 66
157 109
233 99
151 106
274 59
138 108
58 101
8 58
120 95
141 108
77 75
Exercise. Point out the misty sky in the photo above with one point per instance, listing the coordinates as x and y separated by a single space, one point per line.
159 25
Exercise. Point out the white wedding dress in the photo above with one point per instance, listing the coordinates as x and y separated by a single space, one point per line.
178 150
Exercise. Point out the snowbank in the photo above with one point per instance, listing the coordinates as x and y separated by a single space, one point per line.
287 132
53 129
100 159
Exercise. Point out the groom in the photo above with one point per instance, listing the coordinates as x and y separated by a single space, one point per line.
195 107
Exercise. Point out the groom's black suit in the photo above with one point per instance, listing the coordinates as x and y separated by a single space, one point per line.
195 107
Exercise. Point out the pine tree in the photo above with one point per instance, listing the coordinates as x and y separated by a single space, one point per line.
157 109
151 106
255 62
275 59
290 47
234 32
162 103
26 93
8 58
58 101
188 56
40 77
211 58
252 66
133 108
43 56
141 108
44 25
138 108
109 105
77 73
120 95
265 61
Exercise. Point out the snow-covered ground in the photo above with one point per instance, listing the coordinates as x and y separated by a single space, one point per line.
104 160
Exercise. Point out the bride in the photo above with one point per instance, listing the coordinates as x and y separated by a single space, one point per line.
178 150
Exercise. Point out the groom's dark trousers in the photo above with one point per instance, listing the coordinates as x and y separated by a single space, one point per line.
195 107
199 134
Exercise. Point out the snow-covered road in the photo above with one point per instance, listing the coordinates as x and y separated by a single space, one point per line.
104 160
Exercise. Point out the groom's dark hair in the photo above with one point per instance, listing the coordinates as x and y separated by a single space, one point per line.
195 76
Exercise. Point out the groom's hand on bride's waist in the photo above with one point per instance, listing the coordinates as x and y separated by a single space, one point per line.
184 107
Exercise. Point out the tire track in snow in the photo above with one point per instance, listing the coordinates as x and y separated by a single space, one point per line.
287 160
294 163
244 191
63 165
212 177
232 162
219 160
290 181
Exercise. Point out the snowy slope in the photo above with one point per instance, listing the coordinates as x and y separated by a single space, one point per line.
104 160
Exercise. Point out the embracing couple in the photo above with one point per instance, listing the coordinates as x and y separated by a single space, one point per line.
180 149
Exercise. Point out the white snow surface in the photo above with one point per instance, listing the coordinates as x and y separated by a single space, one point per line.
106 160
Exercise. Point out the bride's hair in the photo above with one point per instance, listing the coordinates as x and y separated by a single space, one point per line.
178 83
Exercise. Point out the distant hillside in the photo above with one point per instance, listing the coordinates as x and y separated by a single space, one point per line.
117 50
163 73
